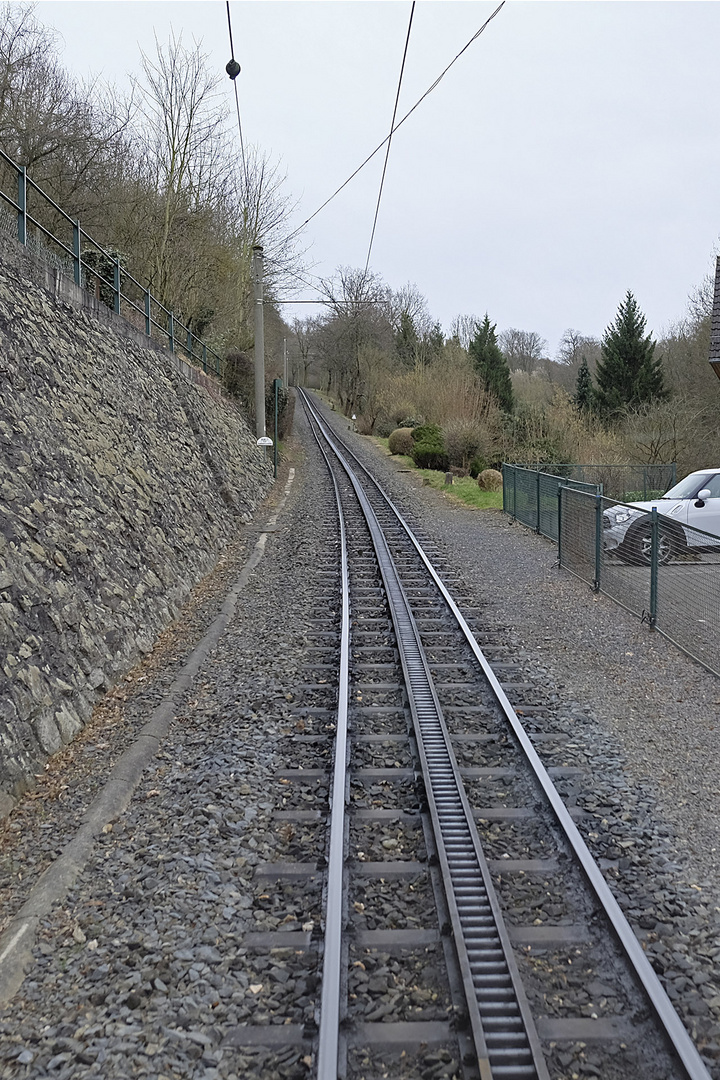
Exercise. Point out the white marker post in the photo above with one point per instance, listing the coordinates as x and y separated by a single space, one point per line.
265 441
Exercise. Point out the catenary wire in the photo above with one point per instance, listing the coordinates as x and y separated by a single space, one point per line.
327 300
389 140
400 122
237 107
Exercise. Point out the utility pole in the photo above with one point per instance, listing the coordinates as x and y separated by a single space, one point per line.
285 367
259 343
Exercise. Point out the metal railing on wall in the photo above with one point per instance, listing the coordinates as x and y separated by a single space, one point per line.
93 265
665 572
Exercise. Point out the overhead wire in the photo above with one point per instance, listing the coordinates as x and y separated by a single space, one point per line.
400 122
233 70
311 285
389 139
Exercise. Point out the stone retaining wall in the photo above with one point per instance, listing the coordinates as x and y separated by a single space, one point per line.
121 479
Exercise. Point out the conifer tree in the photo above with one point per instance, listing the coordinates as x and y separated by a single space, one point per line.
490 364
406 339
583 388
627 373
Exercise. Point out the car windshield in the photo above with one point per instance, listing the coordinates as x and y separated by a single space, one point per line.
689 487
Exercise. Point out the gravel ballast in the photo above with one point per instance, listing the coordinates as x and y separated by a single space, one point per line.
661 708
141 970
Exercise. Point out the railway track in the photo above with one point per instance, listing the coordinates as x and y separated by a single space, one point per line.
465 929
349 861
534 841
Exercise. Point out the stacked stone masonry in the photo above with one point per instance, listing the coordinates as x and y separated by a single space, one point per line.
122 476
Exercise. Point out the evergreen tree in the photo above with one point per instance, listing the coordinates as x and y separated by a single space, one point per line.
627 373
490 364
415 345
406 339
583 388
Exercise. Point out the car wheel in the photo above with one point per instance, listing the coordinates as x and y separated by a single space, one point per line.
637 546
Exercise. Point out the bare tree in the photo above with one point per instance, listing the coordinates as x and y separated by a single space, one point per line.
463 329
358 316
418 337
524 350
184 135
574 346
263 213
700 301
70 135
201 211
305 331
665 431
409 302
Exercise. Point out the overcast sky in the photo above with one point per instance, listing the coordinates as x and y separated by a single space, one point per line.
571 154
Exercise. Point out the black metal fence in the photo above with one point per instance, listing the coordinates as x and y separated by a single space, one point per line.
92 266
665 572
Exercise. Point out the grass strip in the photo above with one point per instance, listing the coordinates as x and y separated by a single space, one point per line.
464 489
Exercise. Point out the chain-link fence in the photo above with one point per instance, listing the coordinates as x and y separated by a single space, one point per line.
531 496
625 482
664 571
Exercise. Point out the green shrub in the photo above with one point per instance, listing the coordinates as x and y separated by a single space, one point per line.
429 450
430 456
476 467
400 441
428 433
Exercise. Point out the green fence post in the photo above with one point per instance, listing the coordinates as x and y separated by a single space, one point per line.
204 362
598 542
559 502
653 567
77 258
22 203
514 493
537 501
190 345
116 287
171 331
148 322
504 476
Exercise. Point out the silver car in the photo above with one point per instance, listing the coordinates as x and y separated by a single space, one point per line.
694 501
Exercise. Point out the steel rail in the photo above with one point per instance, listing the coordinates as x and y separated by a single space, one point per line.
329 1025
661 1004
506 1042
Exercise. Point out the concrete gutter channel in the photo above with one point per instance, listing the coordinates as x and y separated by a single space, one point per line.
16 943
